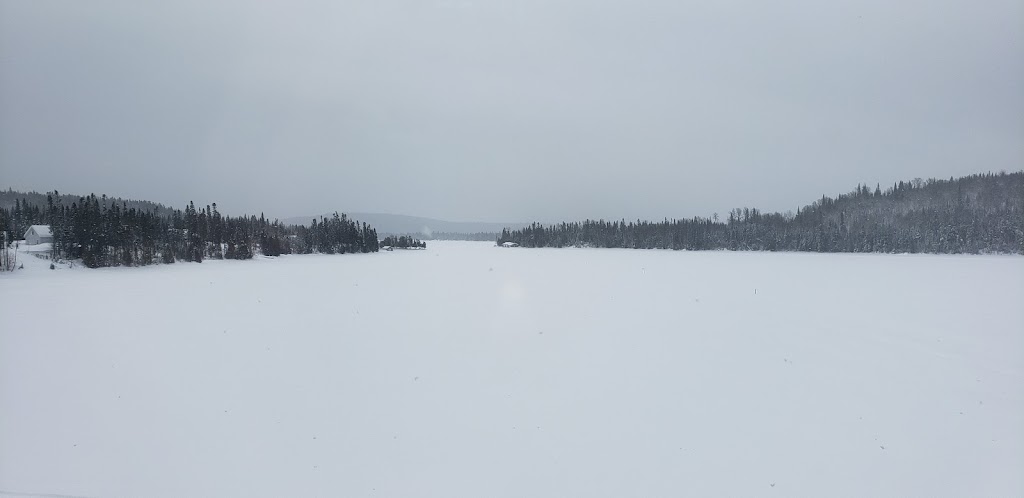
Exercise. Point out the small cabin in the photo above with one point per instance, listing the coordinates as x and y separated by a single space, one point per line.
510 244
38 234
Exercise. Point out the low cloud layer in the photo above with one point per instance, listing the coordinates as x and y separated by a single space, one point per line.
470 110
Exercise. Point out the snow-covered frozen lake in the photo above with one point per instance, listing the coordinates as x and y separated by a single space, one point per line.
470 370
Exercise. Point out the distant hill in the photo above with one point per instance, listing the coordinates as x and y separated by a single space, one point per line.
397 224
973 214
9 196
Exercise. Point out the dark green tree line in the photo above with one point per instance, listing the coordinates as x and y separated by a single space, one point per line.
103 233
403 242
974 214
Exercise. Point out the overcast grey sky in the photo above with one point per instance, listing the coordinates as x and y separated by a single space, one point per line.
505 110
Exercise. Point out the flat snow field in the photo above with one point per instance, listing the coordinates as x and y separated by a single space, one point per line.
469 370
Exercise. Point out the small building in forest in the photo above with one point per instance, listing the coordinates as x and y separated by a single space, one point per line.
510 244
38 234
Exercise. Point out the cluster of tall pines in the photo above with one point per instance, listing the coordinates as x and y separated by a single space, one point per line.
974 214
403 242
102 232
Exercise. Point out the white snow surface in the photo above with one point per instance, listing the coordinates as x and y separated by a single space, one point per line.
470 370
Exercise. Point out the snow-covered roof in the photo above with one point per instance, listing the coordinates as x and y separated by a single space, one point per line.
41 230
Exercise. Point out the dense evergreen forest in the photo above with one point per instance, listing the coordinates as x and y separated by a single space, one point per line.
104 233
10 197
403 242
974 214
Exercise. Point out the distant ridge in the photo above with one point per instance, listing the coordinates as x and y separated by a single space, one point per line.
9 196
981 213
398 224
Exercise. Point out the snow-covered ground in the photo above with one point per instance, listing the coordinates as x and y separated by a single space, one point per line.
471 370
